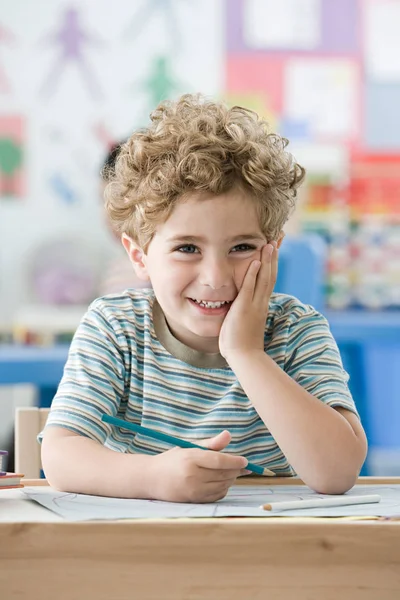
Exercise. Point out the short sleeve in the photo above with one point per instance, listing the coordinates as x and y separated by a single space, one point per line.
93 382
313 359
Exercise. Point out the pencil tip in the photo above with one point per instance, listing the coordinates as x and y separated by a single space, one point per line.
268 473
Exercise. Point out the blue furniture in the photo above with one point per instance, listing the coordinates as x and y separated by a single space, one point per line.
42 367
369 343
301 269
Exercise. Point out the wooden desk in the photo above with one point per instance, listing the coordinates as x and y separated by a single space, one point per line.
217 559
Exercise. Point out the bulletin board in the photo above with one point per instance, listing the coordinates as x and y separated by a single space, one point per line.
327 76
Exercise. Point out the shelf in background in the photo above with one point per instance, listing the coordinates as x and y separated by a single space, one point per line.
358 326
42 366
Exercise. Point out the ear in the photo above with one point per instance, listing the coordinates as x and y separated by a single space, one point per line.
280 238
137 257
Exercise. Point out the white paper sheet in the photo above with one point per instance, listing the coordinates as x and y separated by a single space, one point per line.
287 24
241 501
382 40
322 92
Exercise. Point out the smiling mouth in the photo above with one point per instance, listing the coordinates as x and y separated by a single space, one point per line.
209 304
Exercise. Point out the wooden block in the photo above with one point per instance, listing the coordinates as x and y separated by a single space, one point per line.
27 449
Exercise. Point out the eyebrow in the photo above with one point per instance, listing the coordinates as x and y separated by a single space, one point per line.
237 238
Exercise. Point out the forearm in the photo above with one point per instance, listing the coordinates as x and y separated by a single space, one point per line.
317 440
73 463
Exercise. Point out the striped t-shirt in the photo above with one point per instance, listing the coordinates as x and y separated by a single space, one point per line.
125 362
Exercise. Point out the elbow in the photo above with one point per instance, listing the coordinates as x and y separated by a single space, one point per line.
340 478
54 482
337 481
335 485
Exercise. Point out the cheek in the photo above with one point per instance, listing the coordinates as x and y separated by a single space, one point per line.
177 273
240 272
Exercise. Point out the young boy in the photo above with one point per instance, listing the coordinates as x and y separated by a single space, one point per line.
210 354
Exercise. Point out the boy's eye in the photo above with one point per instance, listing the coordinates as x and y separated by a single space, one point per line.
243 248
187 249
192 249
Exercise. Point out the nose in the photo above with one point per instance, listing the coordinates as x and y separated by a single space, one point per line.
215 272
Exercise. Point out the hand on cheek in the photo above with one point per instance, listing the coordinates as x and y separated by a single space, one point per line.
244 326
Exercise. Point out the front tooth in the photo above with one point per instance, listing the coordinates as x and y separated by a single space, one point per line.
209 304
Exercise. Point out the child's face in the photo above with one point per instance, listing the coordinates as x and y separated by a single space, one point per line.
202 252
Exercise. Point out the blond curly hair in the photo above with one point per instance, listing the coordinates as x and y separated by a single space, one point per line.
194 145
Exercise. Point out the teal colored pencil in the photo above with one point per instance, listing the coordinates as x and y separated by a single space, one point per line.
170 439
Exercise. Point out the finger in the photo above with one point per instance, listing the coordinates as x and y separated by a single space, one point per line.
208 459
244 472
274 266
223 474
218 442
246 292
273 271
264 284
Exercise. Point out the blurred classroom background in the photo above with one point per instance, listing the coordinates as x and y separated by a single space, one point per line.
76 78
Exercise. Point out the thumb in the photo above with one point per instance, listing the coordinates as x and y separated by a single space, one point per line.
218 442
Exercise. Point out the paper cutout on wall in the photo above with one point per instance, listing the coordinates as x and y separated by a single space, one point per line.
160 84
63 190
72 39
147 12
12 156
